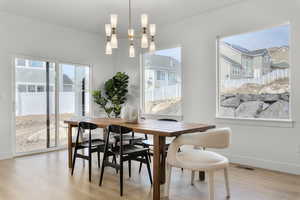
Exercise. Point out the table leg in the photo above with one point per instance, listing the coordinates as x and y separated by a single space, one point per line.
163 160
70 146
156 167
201 175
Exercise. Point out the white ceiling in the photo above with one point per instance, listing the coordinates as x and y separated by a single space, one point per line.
91 15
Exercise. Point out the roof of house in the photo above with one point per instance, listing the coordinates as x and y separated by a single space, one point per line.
159 61
231 61
246 51
280 65
67 79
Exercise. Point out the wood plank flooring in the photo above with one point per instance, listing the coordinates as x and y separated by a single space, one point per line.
47 177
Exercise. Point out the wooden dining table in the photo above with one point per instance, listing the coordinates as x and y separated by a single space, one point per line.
159 129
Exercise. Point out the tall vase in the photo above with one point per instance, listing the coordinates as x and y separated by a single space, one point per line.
130 113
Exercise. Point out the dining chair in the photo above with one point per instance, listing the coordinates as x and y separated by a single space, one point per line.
93 145
124 151
199 160
148 143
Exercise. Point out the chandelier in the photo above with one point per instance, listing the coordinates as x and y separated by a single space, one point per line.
147 33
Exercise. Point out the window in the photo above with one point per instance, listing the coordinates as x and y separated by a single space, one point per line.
34 63
40 88
31 88
172 78
254 74
21 62
22 88
161 73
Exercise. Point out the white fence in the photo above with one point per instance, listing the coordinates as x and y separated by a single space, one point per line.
166 92
32 103
265 79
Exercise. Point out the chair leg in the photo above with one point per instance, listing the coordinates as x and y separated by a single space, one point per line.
121 178
148 168
90 167
140 168
83 160
149 156
103 166
192 177
227 182
74 159
115 161
211 185
168 180
98 155
129 168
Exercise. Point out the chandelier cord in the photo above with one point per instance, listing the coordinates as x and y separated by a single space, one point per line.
130 14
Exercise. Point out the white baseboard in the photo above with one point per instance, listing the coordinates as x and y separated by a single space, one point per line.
265 164
5 155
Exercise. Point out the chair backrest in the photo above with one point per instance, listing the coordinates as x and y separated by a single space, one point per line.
167 119
214 138
119 129
82 126
87 126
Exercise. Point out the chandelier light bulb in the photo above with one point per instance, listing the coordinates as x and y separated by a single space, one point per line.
144 20
144 41
108 49
107 29
152 28
130 34
131 51
152 47
113 20
114 41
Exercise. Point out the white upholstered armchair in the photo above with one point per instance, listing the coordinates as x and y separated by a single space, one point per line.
200 160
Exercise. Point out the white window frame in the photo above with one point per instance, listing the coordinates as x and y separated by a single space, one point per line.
13 87
142 92
287 123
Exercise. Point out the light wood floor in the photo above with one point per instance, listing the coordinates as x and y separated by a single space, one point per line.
46 177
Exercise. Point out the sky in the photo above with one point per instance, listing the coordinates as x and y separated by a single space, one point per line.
272 37
69 70
173 52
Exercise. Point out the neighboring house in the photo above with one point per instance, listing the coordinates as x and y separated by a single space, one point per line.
161 71
239 63
31 77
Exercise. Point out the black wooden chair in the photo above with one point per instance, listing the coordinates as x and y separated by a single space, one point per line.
125 152
149 143
131 138
93 145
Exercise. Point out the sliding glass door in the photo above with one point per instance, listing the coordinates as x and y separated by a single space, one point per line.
35 105
46 94
73 95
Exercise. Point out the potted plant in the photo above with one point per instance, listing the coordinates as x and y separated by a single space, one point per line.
114 94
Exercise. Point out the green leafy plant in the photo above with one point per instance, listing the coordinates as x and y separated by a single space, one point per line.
114 94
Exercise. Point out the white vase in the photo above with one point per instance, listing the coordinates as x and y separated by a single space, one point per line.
130 114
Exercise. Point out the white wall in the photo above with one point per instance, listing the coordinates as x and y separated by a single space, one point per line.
261 145
123 63
24 36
